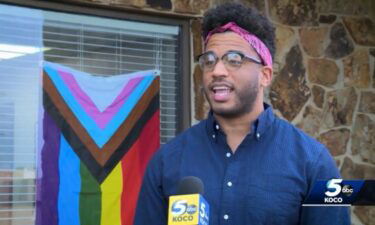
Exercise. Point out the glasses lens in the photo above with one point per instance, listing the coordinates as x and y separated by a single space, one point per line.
207 61
233 59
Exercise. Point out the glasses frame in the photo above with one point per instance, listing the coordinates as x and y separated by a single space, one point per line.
242 55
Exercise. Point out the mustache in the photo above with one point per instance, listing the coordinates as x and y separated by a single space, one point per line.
221 82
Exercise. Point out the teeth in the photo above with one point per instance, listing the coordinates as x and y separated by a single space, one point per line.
220 88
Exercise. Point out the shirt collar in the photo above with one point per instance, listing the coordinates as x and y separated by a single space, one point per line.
260 125
264 120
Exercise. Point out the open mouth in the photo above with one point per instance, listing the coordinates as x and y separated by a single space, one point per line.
221 92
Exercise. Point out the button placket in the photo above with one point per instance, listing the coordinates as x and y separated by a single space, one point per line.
229 181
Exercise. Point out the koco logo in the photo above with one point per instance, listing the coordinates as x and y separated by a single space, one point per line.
179 207
333 187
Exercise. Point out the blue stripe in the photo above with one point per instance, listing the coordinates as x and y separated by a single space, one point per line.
70 185
98 135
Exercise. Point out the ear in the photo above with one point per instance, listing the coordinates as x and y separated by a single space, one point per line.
266 78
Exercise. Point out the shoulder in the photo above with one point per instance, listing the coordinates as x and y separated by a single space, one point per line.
296 139
295 132
316 157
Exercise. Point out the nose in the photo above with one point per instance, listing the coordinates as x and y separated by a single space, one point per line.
220 70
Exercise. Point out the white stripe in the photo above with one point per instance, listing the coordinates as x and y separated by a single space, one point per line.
325 205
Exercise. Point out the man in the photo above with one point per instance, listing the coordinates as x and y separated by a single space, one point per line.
256 168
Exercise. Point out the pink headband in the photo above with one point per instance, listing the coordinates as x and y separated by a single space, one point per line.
255 42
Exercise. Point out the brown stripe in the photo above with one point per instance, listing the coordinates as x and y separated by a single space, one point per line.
130 121
101 155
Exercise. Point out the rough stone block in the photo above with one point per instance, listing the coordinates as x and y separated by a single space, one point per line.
363 138
293 13
340 45
160 4
336 140
361 29
323 72
318 95
313 39
289 91
329 19
367 103
357 70
352 171
339 108
311 121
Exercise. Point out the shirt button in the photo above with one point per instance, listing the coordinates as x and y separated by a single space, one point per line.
217 127
213 136
229 184
228 154
226 217
258 135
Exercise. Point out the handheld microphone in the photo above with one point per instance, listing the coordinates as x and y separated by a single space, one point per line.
188 207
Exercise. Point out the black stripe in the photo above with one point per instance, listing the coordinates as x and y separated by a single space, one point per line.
71 137
133 135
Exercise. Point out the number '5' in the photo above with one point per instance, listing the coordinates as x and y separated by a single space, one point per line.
333 184
202 211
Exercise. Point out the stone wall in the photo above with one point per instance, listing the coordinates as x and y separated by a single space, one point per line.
324 80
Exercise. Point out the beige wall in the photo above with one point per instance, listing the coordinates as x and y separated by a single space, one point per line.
324 79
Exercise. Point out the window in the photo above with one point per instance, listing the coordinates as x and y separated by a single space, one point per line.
96 45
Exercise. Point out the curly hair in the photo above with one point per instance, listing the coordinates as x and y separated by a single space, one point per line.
247 18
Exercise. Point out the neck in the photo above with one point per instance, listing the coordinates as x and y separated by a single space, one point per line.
239 123
238 127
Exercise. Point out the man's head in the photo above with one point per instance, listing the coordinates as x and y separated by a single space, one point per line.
237 62
247 18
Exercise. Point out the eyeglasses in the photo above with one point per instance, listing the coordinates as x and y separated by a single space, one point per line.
232 60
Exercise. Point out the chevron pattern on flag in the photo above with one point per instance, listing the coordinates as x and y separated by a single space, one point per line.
99 134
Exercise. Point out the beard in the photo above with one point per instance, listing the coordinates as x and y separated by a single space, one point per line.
245 98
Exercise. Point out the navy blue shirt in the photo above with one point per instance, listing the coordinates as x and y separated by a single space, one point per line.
264 182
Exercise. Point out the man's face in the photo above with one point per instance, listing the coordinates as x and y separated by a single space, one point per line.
231 93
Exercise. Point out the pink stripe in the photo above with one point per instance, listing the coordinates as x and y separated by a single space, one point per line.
101 118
